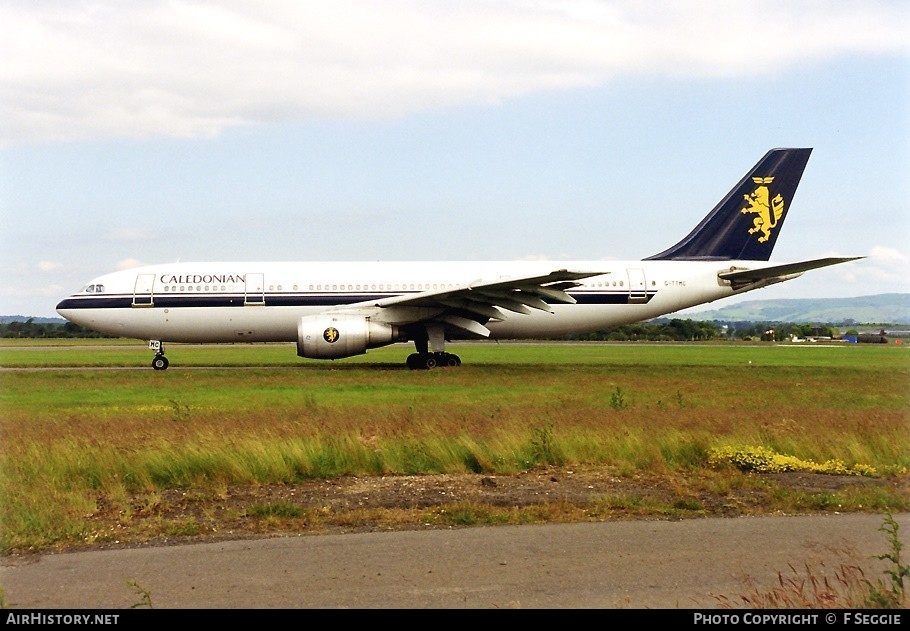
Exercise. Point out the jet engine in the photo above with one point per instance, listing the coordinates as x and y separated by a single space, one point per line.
342 335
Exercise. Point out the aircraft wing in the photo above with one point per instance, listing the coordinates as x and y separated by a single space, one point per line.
466 307
777 273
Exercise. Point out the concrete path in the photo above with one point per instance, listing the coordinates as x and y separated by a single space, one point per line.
640 564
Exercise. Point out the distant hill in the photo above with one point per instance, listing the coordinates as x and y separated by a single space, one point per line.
880 308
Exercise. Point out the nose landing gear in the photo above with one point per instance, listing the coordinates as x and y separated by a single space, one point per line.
160 361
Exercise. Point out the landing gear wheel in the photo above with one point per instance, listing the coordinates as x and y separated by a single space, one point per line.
422 361
449 360
160 362
425 361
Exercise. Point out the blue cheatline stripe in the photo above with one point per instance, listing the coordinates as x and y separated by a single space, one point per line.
173 301
608 298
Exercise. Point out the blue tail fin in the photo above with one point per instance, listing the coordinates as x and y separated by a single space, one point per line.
745 224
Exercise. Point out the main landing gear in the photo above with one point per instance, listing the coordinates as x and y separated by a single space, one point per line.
160 362
432 335
431 360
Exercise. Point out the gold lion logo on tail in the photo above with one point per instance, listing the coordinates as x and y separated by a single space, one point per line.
769 211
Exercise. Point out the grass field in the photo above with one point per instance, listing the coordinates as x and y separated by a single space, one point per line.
89 453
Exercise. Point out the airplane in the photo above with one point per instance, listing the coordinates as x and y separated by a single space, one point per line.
341 309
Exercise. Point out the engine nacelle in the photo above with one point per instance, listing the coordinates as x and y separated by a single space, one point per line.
343 335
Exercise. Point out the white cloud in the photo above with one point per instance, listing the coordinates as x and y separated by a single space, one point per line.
128 234
191 69
886 265
54 290
885 255
129 264
49 266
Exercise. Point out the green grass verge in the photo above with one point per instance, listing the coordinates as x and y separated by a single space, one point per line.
75 441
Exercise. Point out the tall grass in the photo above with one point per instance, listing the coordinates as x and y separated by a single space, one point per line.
846 586
73 441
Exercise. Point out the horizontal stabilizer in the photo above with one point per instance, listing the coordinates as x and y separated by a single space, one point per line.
742 277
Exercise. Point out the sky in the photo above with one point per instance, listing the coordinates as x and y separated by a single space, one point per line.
162 130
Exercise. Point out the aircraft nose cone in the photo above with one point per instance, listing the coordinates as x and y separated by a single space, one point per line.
65 307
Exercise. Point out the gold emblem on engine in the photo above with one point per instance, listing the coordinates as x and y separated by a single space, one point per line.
330 335
769 211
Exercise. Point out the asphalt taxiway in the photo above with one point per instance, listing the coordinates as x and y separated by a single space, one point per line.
693 563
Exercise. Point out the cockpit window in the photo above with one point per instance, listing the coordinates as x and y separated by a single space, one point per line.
94 289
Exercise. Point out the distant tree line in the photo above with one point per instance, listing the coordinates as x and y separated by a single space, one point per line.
679 330
674 330
31 329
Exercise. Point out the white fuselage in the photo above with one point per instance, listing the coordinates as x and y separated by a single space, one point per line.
264 301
